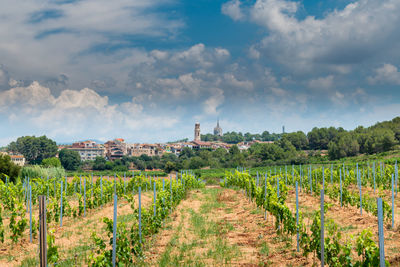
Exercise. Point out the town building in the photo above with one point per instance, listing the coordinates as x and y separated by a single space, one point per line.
88 150
18 160
116 149
201 145
136 150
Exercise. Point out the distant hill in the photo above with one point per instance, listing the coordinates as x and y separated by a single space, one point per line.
70 143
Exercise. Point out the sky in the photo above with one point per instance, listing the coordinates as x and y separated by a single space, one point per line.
147 70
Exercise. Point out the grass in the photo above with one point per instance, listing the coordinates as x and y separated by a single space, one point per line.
264 249
208 245
347 228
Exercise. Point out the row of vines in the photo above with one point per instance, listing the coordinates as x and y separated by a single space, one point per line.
271 193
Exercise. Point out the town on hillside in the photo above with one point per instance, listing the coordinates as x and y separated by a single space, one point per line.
118 148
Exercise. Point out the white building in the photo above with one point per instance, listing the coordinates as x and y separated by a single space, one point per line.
88 150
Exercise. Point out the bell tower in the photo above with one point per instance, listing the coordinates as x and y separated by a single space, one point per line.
197 132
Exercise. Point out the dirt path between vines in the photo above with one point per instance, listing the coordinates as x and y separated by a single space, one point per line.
219 227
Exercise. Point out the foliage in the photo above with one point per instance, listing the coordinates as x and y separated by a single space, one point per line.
1 227
8 168
128 242
70 159
34 149
51 162
52 249
336 251
39 171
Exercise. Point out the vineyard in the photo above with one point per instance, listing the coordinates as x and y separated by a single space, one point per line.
343 215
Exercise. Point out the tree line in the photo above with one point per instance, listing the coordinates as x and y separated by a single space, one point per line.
381 137
288 148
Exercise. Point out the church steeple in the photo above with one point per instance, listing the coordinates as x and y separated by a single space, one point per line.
218 129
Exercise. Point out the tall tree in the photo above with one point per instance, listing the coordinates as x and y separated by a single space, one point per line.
70 159
34 149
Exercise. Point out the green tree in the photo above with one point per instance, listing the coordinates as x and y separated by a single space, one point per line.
298 139
186 153
7 167
34 149
196 163
380 140
170 166
51 162
70 159
345 145
99 163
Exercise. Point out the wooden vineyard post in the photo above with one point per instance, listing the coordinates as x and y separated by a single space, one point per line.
322 229
380 232
323 178
114 244
140 214
297 216
42 232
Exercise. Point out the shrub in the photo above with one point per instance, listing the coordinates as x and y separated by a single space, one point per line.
39 171
8 168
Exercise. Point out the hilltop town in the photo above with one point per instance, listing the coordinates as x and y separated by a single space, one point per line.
118 148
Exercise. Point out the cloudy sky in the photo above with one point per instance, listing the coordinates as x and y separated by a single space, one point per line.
147 70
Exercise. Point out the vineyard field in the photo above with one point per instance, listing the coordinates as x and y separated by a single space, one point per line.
248 219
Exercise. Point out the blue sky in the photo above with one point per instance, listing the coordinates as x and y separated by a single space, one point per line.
147 70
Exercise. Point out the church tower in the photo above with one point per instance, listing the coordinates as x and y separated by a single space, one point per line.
197 132
217 129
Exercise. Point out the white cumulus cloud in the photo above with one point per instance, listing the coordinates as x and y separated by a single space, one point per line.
387 73
232 9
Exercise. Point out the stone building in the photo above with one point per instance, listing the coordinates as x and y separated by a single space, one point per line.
197 132
218 129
